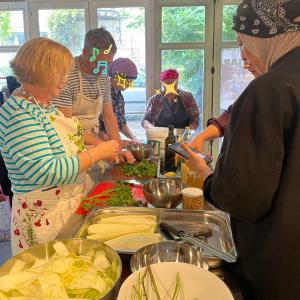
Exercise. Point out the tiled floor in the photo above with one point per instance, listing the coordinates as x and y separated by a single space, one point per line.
5 252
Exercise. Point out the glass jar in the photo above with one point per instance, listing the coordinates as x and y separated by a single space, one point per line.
192 198
194 180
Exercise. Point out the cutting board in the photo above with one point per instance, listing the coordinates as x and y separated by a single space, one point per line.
136 191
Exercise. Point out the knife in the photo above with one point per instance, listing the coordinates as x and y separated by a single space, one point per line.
186 237
133 182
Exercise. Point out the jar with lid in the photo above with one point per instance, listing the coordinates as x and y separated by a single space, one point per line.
192 198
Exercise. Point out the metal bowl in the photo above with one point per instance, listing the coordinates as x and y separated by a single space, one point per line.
164 193
140 151
78 246
167 251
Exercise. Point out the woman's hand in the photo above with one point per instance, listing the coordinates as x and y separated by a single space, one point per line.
126 156
196 163
109 150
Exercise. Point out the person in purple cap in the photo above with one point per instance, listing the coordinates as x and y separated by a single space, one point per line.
256 178
122 72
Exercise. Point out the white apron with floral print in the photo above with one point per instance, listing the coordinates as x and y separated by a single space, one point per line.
38 216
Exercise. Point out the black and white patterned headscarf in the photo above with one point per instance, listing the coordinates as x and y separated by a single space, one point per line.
267 18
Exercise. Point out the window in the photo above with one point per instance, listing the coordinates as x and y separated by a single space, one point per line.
5 58
12 35
127 26
183 24
193 36
12 28
234 78
183 46
190 66
66 26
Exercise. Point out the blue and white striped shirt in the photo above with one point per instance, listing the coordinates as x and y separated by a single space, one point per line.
32 151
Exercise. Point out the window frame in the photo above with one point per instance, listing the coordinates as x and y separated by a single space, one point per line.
207 46
11 6
36 5
212 45
149 24
219 45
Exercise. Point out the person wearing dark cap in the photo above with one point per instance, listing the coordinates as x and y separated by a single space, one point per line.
256 179
171 106
122 73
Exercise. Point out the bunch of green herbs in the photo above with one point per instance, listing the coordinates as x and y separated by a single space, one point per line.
119 195
142 169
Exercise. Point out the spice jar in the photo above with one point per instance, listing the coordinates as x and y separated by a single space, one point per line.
192 198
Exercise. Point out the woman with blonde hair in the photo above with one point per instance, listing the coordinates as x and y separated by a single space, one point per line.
43 151
256 179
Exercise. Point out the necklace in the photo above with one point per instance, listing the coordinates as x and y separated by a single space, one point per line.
31 98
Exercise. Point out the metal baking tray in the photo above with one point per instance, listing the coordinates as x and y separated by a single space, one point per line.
192 222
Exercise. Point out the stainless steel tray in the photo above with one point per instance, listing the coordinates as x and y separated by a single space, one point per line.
190 221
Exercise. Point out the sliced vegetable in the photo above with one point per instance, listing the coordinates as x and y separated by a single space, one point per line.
52 285
105 232
63 276
133 241
17 267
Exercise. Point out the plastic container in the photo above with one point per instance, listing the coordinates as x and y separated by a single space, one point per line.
192 198
158 134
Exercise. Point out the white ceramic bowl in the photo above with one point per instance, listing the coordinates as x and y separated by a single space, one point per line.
197 283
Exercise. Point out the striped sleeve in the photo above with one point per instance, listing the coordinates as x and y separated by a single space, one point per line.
105 88
28 146
66 97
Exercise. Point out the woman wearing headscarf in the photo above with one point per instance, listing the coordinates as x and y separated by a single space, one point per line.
216 127
122 73
42 149
256 179
171 106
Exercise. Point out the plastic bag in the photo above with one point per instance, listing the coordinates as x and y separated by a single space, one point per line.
5 215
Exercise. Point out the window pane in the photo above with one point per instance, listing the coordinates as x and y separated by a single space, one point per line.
228 34
11 28
190 65
5 58
183 24
234 78
66 26
127 25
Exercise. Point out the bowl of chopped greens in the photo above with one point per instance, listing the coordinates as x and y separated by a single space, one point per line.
62 269
164 193
141 169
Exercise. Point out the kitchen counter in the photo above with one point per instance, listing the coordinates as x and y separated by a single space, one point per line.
114 174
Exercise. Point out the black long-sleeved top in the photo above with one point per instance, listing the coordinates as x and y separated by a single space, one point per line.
257 181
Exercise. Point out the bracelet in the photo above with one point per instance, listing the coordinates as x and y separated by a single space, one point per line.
90 156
